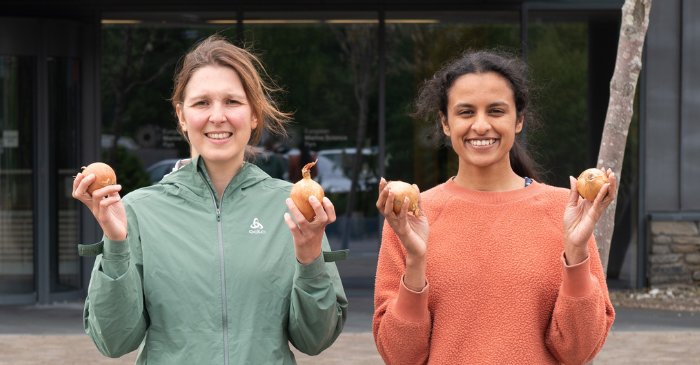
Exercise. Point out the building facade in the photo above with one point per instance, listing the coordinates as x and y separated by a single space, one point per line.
86 81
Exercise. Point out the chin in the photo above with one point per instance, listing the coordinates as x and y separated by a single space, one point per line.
219 156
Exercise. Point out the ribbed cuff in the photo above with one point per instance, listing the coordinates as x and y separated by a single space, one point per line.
577 279
312 269
115 258
412 306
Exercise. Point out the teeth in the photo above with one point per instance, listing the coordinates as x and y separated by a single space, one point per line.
482 142
219 135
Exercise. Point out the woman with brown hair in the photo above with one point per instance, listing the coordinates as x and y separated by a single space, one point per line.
208 266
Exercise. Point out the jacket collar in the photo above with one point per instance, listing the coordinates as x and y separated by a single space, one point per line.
195 178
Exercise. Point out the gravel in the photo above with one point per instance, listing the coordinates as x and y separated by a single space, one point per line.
673 298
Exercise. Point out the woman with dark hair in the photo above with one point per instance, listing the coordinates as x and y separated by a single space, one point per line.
214 264
496 267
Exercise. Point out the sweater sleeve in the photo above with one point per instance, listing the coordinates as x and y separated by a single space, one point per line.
114 315
583 313
402 321
318 307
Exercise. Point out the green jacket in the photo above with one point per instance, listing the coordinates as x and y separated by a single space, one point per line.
203 281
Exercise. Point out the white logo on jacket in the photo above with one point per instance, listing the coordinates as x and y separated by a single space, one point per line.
256 227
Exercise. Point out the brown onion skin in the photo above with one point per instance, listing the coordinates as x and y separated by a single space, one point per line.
104 175
402 190
590 182
305 188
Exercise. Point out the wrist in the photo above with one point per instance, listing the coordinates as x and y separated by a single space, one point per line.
414 277
306 258
415 261
415 246
575 255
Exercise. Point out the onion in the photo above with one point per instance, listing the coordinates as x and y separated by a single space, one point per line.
402 190
305 188
104 175
590 182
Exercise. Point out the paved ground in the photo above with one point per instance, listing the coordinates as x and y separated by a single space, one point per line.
53 335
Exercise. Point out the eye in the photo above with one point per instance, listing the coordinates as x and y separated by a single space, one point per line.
497 111
465 113
233 102
200 103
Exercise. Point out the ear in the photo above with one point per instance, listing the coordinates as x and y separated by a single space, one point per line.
445 125
181 118
254 122
519 124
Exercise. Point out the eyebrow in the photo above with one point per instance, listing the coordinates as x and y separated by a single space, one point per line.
206 96
467 105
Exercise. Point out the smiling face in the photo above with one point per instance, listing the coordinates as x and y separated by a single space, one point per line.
216 116
481 121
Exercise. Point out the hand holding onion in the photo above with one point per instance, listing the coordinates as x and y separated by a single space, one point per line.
403 191
590 182
581 215
305 188
399 202
410 226
104 175
96 187
312 212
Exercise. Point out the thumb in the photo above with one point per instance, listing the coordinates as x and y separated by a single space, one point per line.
573 194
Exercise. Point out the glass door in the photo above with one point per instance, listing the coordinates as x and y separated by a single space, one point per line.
41 142
64 121
17 244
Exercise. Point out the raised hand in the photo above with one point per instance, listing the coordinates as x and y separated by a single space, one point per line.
105 204
308 236
411 230
581 216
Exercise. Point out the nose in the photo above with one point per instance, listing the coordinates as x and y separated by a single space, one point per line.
217 114
481 123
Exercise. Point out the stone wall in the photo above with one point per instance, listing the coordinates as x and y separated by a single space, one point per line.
675 253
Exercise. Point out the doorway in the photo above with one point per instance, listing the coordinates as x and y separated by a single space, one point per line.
41 108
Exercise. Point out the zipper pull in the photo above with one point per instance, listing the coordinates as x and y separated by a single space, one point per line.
218 215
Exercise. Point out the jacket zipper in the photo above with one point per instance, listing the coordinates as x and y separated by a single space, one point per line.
222 271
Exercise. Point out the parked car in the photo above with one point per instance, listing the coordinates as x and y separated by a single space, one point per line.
335 169
161 168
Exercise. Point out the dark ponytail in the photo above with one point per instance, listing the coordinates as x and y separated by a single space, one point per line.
433 96
521 161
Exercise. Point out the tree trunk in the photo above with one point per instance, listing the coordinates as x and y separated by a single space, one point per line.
635 20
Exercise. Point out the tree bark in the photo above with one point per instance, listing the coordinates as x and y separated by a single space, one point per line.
628 64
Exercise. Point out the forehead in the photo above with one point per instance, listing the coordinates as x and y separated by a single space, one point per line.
214 79
480 87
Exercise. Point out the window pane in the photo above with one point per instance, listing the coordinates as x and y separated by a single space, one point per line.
418 44
17 78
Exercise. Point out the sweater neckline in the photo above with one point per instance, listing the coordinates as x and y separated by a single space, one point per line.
492 197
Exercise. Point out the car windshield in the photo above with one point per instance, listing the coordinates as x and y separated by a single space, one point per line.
335 169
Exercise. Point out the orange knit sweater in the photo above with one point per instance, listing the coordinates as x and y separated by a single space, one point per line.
499 289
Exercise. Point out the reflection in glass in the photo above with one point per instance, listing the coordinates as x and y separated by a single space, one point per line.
558 61
330 84
16 175
414 52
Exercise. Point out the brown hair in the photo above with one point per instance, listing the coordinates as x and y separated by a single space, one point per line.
217 51
432 98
